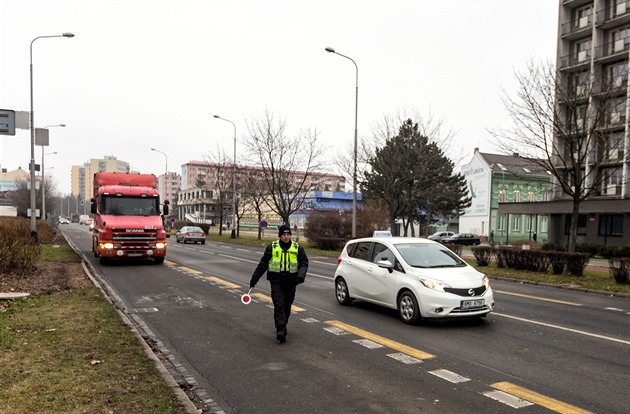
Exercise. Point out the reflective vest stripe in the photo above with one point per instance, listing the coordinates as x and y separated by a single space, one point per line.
283 261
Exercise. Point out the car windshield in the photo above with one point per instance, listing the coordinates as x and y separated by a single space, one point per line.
428 255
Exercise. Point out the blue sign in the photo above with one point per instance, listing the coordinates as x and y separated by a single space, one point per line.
263 224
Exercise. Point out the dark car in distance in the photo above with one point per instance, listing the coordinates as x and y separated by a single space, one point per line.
465 239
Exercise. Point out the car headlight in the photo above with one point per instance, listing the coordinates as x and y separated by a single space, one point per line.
486 281
433 284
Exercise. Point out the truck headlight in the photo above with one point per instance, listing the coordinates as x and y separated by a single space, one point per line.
160 245
107 246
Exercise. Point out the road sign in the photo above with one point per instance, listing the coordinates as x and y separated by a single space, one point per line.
227 208
263 224
7 122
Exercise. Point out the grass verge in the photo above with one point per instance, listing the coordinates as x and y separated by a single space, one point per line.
70 352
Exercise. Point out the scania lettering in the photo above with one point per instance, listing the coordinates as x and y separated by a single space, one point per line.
127 218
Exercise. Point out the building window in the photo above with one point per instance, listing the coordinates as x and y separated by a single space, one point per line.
516 223
583 50
545 195
614 146
502 195
544 224
616 75
611 225
612 182
581 230
517 196
501 223
531 196
529 223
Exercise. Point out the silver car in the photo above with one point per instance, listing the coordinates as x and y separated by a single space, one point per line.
191 234
420 278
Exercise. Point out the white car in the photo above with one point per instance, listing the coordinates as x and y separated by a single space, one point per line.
63 220
439 236
420 278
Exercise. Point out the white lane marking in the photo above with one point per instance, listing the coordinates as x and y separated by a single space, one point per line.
310 320
404 358
336 331
615 309
450 376
507 399
562 328
368 344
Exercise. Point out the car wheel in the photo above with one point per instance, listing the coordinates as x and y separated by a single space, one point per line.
203 242
408 309
342 293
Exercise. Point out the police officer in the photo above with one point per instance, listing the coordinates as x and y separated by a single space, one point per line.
286 265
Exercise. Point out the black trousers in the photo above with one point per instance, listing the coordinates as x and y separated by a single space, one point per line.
282 295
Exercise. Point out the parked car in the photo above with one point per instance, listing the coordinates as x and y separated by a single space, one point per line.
420 278
191 234
63 220
440 235
466 239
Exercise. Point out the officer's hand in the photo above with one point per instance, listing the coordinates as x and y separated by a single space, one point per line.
252 286
300 280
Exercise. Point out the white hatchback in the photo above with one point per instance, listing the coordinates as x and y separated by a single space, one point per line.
420 278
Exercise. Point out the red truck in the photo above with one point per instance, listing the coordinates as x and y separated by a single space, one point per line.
127 219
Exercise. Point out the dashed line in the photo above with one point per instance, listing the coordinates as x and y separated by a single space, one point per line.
189 270
397 346
507 399
449 376
223 282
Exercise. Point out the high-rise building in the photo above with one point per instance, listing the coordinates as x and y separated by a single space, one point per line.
592 112
83 176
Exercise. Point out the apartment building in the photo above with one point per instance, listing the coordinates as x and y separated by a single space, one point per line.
592 68
82 177
168 186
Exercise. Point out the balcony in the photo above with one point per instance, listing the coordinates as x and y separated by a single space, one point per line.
575 60
577 28
609 17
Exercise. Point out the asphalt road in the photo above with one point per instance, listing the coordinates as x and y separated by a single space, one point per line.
541 350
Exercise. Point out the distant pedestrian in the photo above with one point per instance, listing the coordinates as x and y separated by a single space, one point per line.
491 236
534 236
286 265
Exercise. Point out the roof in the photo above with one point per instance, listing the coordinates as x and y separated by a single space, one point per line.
514 165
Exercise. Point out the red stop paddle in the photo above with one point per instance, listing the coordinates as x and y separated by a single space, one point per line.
246 299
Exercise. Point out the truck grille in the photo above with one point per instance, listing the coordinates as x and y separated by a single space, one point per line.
129 239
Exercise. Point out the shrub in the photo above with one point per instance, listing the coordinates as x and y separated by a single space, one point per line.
619 268
576 263
17 253
455 248
554 247
533 245
483 255
557 260
327 230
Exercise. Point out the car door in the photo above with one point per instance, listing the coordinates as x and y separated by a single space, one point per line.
378 283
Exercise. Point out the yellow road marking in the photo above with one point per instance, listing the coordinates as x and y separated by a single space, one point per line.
542 400
381 340
223 282
268 299
170 263
539 298
189 270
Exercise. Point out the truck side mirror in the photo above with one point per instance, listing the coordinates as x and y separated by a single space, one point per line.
93 206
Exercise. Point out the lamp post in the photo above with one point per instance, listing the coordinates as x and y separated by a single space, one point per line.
354 172
44 171
165 169
32 165
233 234
44 184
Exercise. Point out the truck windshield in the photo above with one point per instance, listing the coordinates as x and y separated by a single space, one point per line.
129 206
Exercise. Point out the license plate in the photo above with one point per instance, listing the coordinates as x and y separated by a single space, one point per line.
134 254
475 303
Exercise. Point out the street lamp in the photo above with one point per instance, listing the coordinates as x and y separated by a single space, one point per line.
354 173
233 235
32 165
165 170
43 171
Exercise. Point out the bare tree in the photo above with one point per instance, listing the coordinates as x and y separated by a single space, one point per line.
252 197
287 162
221 185
562 122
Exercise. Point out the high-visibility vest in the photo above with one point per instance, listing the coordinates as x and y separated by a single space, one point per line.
283 261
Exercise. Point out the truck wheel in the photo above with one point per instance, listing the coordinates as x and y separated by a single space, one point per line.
103 260
158 260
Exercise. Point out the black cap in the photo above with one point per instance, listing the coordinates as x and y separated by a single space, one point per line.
283 229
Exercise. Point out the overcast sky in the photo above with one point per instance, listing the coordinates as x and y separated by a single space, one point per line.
143 74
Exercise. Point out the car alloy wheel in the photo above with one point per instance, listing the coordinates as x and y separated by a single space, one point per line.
408 308
342 293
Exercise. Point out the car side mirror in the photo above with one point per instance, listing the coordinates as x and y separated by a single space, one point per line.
386 264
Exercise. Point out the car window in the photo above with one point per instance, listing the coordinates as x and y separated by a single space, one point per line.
196 229
362 251
381 252
428 255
